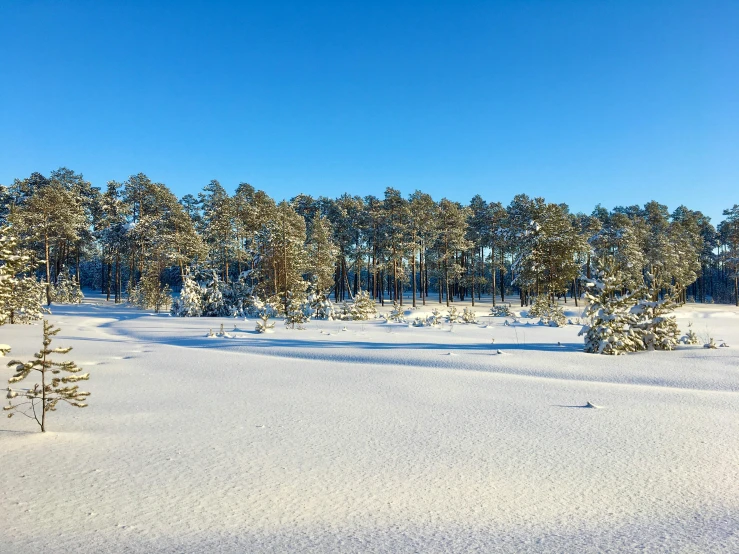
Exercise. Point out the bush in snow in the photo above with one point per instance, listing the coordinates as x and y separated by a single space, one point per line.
148 293
435 318
44 396
629 322
501 311
453 315
267 311
548 314
321 307
611 329
190 301
362 309
418 322
396 314
658 329
469 315
4 349
690 337
297 311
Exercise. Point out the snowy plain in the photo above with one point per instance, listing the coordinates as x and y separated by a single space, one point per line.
374 437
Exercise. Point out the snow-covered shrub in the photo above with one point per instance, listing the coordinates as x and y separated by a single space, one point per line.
321 307
190 301
149 294
469 315
435 318
453 315
548 313
66 290
710 344
690 337
362 309
659 330
628 322
297 311
418 322
266 312
213 300
611 329
397 313
238 296
4 350
501 310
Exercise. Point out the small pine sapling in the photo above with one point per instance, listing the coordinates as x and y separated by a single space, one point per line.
501 310
263 325
469 315
43 397
453 315
690 337
297 312
397 313
435 318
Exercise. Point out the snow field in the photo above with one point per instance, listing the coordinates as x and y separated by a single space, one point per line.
374 439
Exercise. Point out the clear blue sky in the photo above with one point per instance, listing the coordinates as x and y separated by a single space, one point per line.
588 102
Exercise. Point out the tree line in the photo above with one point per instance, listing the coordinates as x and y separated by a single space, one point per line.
138 237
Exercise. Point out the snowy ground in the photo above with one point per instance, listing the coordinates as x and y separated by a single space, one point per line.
377 438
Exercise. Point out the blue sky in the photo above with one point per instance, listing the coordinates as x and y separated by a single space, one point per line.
580 102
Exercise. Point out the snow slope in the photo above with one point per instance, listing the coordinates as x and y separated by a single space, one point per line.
380 438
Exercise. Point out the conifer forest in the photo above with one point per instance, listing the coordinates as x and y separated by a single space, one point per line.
137 241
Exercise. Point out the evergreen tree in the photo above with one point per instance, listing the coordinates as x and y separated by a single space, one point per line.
20 292
283 259
612 325
44 396
321 255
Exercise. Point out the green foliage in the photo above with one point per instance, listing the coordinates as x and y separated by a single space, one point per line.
21 294
57 383
549 313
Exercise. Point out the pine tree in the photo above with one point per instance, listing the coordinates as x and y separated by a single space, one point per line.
297 311
44 396
67 289
321 255
20 293
611 328
362 309
190 301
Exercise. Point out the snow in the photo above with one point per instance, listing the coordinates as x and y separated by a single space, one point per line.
375 439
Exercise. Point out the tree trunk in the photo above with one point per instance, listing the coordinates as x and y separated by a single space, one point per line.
413 276
48 270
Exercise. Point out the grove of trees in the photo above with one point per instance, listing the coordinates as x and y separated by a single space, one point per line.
137 238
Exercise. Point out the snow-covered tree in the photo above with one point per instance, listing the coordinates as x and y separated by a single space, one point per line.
43 396
190 301
283 258
297 310
321 306
397 313
321 255
266 312
612 325
66 290
469 315
548 311
659 330
501 310
362 309
21 294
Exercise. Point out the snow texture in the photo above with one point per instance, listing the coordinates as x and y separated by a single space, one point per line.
375 439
